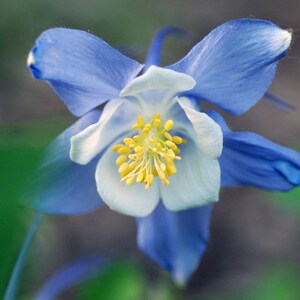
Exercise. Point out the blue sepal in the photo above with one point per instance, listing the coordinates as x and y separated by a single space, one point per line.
250 159
175 240
235 64
81 68
61 186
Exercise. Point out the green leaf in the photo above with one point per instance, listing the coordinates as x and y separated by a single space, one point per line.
288 200
123 280
20 148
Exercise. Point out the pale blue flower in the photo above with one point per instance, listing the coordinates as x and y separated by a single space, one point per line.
153 114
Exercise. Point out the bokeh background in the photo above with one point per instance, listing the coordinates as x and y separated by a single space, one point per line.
254 252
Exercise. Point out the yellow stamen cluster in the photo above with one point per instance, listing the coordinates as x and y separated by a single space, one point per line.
151 153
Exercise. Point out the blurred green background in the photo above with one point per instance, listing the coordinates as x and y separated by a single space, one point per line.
254 249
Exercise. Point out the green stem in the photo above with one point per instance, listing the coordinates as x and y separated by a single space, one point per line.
13 284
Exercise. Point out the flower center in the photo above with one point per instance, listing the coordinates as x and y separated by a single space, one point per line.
149 154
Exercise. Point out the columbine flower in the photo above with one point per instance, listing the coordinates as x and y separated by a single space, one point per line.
151 142
163 148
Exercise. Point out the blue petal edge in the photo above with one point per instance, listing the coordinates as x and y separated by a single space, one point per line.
81 68
61 186
250 159
235 64
175 240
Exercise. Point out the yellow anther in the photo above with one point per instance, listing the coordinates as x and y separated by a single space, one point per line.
116 147
146 131
156 116
156 122
171 145
168 125
149 178
170 162
168 136
166 181
171 169
137 138
177 150
140 121
171 153
121 159
124 150
123 168
130 180
149 154
184 141
138 149
128 141
177 139
125 173
168 159
140 177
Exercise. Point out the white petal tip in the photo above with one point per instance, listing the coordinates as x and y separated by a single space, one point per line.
184 206
30 59
287 37
75 158
282 39
180 281
130 213
76 155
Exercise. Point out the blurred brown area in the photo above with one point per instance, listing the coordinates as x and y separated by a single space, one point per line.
248 230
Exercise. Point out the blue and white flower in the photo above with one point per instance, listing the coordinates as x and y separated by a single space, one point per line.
151 142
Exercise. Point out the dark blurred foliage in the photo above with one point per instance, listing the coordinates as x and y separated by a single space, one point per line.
254 250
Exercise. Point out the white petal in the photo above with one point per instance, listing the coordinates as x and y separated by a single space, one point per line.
117 118
159 78
196 183
209 134
132 200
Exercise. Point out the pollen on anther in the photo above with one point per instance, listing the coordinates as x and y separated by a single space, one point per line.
124 150
168 125
149 154
156 122
177 139
168 136
130 180
121 159
123 167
